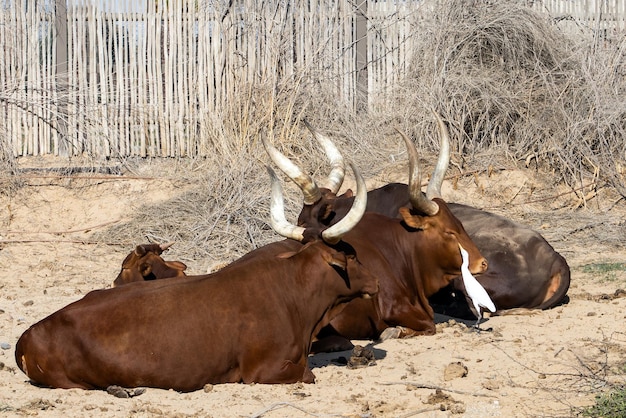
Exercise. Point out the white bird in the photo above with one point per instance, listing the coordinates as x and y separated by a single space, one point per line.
474 290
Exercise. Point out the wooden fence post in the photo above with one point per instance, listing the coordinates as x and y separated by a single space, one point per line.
361 99
61 77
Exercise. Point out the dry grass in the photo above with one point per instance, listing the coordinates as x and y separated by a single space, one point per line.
221 214
9 182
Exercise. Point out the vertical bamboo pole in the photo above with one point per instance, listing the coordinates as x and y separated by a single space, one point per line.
66 97
117 98
141 117
167 72
153 74
82 39
14 68
5 54
31 42
159 46
140 139
109 34
100 139
180 59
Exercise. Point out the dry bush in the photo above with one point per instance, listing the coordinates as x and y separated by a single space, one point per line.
510 82
221 215
275 108
224 212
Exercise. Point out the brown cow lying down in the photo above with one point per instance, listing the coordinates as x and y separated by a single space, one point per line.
524 269
145 263
252 321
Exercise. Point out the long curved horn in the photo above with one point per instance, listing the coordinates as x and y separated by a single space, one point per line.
417 198
436 180
337 164
333 234
278 221
305 182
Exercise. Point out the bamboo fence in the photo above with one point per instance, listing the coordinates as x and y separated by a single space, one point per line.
112 78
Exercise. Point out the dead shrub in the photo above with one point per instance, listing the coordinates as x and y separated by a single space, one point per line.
510 82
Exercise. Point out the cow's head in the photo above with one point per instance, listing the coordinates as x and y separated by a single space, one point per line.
430 214
327 240
329 234
145 263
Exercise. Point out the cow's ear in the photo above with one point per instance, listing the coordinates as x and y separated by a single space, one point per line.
348 193
414 221
145 269
336 260
286 254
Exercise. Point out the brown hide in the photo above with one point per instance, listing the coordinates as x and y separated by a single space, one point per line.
413 257
252 321
145 263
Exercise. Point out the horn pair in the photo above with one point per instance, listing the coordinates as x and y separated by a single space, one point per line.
332 234
421 202
141 250
311 191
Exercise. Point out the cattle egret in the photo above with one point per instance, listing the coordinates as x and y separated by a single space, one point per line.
474 290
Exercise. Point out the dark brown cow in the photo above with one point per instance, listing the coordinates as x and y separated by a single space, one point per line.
413 257
253 321
524 269
145 263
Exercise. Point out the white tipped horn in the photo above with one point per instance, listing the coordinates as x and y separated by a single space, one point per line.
333 234
305 182
418 200
436 180
278 221
337 163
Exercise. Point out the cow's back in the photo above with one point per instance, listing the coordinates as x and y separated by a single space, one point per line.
111 338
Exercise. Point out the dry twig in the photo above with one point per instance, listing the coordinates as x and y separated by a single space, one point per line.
435 387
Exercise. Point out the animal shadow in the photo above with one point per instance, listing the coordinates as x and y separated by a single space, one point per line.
359 356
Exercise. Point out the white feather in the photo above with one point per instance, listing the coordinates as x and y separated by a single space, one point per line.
476 292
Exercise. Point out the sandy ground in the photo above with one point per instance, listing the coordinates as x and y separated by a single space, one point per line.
536 364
